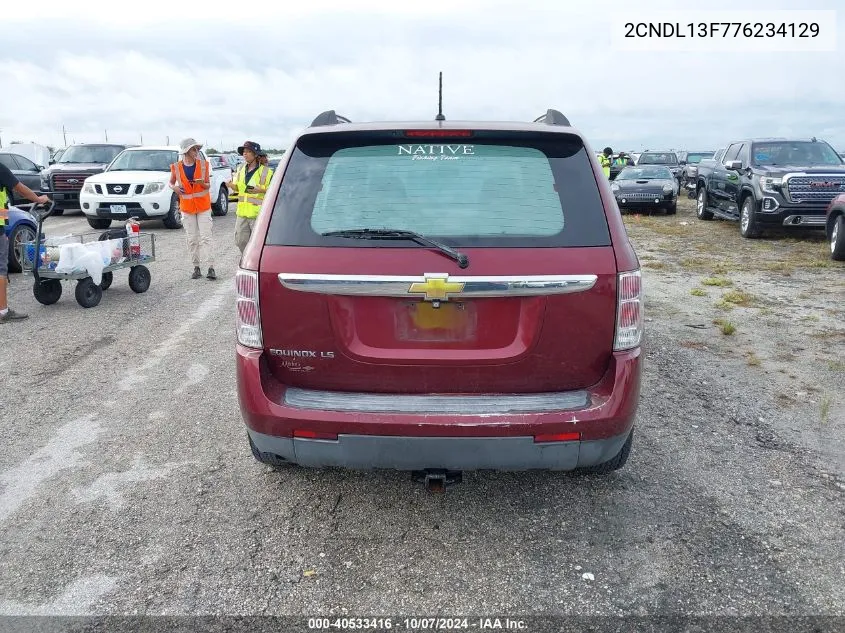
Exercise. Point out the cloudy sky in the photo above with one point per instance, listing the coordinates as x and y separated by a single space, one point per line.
228 71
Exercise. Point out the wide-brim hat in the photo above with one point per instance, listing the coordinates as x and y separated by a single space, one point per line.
186 144
252 146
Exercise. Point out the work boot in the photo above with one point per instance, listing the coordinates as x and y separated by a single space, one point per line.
211 274
197 273
11 315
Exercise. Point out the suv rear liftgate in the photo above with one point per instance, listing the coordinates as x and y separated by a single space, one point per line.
440 297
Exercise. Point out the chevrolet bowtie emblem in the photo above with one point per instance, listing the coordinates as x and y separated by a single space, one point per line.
436 287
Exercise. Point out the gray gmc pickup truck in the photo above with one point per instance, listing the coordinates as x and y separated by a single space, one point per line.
771 182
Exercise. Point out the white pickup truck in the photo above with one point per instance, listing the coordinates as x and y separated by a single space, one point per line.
136 184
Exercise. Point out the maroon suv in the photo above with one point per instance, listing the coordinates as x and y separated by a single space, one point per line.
440 296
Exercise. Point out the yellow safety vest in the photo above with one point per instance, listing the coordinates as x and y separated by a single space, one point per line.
249 204
4 212
605 164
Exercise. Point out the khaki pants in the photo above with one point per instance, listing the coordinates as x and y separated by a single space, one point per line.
243 231
198 231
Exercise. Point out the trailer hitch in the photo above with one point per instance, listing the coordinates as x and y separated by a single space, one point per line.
435 480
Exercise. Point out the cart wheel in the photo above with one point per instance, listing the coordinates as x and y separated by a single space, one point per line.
88 294
139 278
108 278
47 291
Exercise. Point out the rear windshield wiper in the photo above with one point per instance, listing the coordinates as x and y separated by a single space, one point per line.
394 234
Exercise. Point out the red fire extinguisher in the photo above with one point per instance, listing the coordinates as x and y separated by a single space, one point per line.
133 230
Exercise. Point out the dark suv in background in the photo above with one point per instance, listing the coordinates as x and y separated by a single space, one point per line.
62 181
439 296
665 159
773 182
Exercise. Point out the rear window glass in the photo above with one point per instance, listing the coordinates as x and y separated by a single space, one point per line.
481 191
654 158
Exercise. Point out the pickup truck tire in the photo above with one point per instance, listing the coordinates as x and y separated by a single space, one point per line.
837 239
672 210
701 205
173 219
748 225
221 207
97 223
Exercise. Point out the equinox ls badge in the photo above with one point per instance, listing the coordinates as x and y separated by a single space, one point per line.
301 353
436 287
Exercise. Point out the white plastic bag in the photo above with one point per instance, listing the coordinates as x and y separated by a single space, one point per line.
89 257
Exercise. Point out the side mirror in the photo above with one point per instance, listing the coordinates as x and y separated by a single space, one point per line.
39 167
682 162
734 165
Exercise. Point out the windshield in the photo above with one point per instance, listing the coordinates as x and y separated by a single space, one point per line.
667 158
145 160
645 173
795 153
493 190
693 158
90 154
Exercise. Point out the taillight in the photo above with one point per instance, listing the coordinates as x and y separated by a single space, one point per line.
629 311
249 316
438 133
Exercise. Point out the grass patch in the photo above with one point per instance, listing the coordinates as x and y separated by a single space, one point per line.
721 269
698 292
726 327
777 267
766 312
656 265
725 305
738 297
717 281
836 365
810 317
824 409
752 359
694 262
693 344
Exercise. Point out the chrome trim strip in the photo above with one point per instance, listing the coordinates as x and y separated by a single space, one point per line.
810 220
400 286
420 404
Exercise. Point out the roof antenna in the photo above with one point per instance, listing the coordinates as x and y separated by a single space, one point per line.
440 116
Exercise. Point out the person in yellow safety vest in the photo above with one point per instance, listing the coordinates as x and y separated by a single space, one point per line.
8 181
250 183
604 161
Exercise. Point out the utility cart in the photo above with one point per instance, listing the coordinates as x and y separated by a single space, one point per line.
84 257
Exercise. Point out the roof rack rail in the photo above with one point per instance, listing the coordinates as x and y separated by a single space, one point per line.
329 117
552 117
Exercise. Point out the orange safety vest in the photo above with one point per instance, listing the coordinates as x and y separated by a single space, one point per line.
195 199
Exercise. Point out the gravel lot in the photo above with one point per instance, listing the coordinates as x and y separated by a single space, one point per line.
127 486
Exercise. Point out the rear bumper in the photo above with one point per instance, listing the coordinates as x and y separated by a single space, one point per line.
421 440
364 452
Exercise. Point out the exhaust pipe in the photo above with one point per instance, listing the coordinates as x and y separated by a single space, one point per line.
435 480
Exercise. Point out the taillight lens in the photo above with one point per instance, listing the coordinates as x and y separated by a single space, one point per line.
249 315
629 311
438 133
